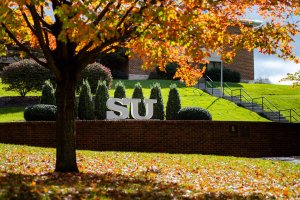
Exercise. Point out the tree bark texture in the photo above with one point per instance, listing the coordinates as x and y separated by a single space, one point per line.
65 127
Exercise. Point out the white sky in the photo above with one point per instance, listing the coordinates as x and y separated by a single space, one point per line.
271 67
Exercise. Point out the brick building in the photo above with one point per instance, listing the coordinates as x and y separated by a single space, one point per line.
242 63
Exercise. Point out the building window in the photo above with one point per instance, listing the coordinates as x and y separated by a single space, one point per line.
214 64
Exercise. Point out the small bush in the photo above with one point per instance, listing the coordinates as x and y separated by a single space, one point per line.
25 76
158 108
228 75
40 112
117 62
100 100
171 69
48 94
85 104
138 94
93 73
120 92
168 74
173 104
194 113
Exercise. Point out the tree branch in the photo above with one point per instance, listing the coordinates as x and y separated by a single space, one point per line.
46 50
103 12
127 13
22 46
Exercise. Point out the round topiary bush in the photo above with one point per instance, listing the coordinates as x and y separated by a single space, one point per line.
93 73
24 76
101 98
193 113
158 108
85 104
40 112
48 94
173 104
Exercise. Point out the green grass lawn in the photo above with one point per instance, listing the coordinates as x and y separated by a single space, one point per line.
282 96
27 173
220 109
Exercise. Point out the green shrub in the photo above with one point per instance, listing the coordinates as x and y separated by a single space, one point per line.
168 74
40 112
194 113
100 100
158 108
228 75
120 92
173 104
85 104
93 73
25 76
48 94
138 94
117 62
171 69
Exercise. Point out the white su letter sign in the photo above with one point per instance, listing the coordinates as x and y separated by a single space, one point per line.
124 113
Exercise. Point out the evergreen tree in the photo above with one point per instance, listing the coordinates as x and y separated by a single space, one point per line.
138 94
173 104
158 108
85 105
48 94
100 100
120 92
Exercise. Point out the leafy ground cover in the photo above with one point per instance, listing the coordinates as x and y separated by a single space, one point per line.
220 109
27 173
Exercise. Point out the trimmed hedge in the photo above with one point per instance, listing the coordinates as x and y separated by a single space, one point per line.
101 98
25 76
40 112
85 104
48 94
193 113
173 104
93 73
158 108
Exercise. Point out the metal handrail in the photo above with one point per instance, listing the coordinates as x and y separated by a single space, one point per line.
245 96
291 115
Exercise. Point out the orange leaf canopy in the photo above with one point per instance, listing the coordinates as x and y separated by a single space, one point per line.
182 31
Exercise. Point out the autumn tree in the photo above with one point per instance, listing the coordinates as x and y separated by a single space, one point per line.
72 34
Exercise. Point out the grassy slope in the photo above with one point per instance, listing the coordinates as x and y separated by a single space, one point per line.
282 96
220 109
27 173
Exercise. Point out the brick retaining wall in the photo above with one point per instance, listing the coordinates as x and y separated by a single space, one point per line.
246 139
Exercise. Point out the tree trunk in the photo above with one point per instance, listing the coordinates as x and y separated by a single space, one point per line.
65 127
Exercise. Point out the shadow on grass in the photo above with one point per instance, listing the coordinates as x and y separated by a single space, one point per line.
11 110
111 186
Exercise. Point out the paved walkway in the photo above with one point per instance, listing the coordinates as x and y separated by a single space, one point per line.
294 159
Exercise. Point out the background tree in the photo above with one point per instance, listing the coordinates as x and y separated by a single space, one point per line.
24 76
72 34
295 78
